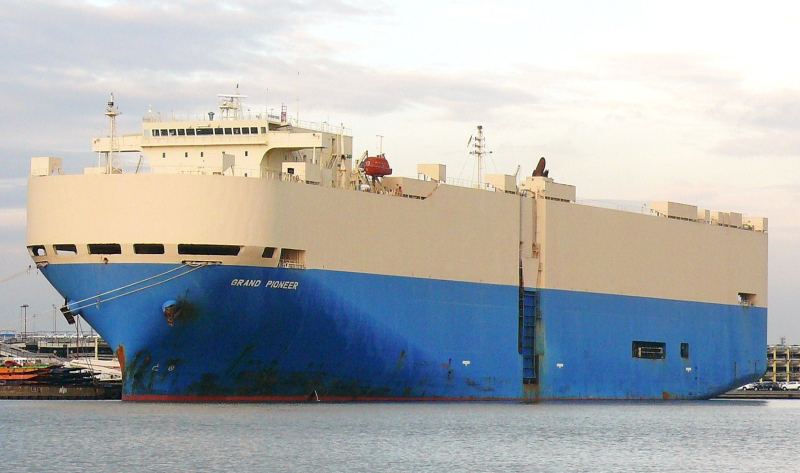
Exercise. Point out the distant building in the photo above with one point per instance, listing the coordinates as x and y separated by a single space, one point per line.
783 363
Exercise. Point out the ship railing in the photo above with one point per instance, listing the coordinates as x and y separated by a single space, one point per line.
250 116
234 171
623 206
453 181
203 117
475 185
291 264
210 170
45 172
203 139
321 126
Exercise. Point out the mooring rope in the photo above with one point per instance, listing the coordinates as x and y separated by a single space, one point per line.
26 270
131 284
96 301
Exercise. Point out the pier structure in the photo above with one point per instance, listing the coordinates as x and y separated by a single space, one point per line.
49 346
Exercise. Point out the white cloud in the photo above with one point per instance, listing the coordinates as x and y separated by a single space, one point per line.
13 184
13 219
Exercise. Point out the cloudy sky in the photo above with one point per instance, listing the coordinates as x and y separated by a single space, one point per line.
695 102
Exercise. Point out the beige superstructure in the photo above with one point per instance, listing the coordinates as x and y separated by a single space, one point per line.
290 195
602 250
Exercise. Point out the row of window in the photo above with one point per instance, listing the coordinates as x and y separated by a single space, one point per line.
655 350
202 154
782 356
252 130
782 369
287 254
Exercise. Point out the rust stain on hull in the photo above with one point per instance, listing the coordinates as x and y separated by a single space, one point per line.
530 392
121 357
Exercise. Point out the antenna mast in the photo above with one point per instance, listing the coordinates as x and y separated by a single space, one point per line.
298 97
111 112
479 151
230 105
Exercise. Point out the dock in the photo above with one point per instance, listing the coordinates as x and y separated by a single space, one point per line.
99 392
32 369
742 394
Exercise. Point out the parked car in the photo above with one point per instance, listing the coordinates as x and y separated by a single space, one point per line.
792 385
748 387
769 386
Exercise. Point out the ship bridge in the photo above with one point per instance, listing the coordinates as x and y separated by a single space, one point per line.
236 144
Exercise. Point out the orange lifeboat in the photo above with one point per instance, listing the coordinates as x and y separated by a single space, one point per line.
377 166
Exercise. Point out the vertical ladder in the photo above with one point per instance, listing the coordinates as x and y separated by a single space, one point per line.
529 368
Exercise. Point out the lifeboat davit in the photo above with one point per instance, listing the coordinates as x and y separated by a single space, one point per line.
377 166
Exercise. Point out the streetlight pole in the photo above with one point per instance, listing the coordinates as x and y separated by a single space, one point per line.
24 308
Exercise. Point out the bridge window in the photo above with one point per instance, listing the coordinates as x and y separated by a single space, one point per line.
217 131
190 131
245 131
237 131
155 132
205 131
181 132
269 252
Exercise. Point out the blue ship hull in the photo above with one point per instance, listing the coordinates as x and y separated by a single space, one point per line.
259 334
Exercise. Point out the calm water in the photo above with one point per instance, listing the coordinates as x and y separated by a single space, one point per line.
112 436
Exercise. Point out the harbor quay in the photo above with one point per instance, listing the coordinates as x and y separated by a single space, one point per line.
60 345
57 366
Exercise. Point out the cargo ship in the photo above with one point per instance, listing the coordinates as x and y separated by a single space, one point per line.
257 260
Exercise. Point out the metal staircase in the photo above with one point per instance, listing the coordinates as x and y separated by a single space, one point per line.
527 337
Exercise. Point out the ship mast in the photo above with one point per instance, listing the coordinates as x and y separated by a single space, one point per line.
230 106
111 112
479 151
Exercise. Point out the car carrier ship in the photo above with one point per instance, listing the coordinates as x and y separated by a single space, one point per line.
257 260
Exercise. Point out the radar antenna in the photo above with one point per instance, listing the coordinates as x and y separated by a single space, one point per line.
230 105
